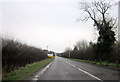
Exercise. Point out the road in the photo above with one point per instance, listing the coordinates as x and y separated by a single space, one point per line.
65 69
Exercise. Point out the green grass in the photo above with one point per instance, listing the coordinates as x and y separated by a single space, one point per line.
24 72
113 65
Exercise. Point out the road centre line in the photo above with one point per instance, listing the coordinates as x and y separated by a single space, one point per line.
73 65
84 71
90 74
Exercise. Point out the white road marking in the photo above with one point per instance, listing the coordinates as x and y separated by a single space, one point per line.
46 67
73 65
84 71
90 74
36 77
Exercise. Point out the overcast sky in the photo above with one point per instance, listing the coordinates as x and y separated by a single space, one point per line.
45 22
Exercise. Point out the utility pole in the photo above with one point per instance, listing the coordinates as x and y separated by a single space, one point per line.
69 54
47 47
69 50
119 21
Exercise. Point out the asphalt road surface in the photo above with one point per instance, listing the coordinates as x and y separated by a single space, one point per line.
65 69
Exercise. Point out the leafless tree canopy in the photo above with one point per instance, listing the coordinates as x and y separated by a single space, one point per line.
98 11
68 49
82 45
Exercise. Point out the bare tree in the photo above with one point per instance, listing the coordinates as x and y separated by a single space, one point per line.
82 45
99 12
68 49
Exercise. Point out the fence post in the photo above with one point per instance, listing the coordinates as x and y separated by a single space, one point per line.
117 63
100 61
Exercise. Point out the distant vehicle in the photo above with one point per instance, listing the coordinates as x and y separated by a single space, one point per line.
50 55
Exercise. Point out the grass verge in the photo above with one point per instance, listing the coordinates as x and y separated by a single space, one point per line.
113 66
24 72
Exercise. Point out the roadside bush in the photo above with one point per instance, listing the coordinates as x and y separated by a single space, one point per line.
16 54
91 53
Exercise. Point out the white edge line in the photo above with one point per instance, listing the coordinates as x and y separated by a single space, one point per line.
36 77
